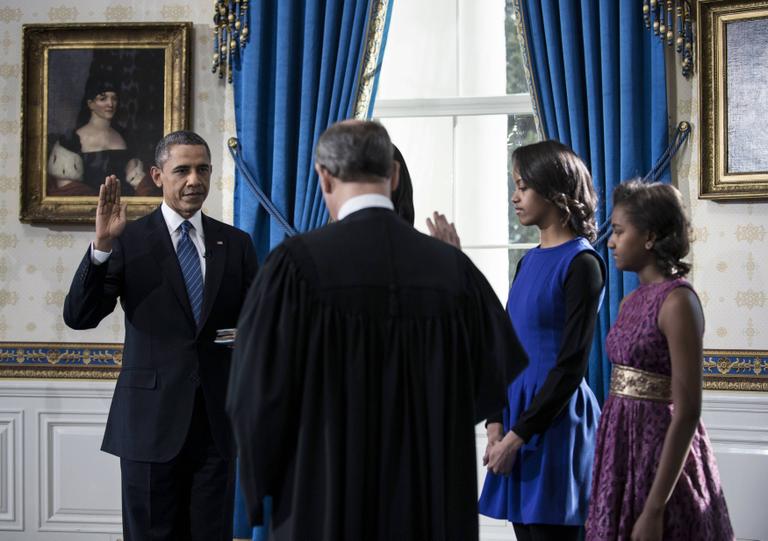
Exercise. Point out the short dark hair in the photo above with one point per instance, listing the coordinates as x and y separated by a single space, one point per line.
557 174
181 137
658 208
355 150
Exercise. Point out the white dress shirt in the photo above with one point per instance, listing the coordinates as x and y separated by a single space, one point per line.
173 221
360 202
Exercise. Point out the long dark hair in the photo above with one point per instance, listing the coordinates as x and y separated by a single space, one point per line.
93 87
556 173
402 197
658 208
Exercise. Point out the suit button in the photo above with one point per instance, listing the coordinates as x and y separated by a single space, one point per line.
195 378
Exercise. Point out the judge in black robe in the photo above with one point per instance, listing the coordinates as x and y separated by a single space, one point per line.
366 353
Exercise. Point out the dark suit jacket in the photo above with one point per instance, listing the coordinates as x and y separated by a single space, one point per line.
166 357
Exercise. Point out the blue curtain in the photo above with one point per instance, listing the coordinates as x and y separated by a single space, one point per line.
301 71
599 85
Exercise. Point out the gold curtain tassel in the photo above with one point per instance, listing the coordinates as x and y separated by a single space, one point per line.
230 20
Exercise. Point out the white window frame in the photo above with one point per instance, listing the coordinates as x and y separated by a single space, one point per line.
454 107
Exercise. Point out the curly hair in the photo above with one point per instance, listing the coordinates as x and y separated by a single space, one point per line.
658 209
557 174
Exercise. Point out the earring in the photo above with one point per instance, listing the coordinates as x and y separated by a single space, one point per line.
648 245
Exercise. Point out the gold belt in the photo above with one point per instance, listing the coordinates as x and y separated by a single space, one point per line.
635 383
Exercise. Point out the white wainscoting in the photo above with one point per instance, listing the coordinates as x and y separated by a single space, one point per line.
738 429
11 464
55 483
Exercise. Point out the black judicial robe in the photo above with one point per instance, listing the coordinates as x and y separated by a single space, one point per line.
366 353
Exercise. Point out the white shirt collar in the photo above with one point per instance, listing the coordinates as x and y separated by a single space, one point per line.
360 202
173 220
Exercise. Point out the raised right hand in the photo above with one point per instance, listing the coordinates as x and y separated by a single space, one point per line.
110 214
443 230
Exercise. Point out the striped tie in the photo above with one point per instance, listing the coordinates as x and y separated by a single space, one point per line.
189 261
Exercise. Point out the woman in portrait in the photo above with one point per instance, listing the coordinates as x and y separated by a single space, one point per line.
81 160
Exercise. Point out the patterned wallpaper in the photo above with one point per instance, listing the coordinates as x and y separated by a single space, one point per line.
37 261
730 248
730 252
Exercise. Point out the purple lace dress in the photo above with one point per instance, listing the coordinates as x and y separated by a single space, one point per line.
631 435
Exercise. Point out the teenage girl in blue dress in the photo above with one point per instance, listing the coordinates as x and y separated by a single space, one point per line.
540 450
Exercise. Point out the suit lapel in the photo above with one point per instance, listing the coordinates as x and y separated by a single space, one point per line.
161 248
215 261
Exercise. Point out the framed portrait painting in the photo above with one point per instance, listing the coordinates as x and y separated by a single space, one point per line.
96 100
733 54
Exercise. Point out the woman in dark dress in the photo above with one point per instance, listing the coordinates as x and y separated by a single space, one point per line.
82 159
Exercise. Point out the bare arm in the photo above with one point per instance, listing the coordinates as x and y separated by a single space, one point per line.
682 322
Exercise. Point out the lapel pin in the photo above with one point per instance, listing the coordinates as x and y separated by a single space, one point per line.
219 242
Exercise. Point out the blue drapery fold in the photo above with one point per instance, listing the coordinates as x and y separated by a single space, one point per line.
299 74
302 70
600 85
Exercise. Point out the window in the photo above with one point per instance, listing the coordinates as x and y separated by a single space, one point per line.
454 99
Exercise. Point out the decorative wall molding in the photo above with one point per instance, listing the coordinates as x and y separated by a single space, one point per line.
56 388
11 470
725 370
68 448
735 370
60 360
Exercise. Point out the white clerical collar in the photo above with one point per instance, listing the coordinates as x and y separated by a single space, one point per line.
173 219
360 202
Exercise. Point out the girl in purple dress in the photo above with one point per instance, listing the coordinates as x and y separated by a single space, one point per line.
654 474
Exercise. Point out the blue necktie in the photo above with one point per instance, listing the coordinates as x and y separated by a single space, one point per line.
189 260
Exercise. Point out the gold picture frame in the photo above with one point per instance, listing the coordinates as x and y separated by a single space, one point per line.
96 99
732 40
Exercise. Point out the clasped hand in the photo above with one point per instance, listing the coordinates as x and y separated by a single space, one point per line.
501 451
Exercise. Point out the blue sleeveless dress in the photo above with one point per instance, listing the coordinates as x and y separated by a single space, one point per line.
550 480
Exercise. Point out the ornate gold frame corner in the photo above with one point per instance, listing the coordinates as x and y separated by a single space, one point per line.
174 39
735 370
716 182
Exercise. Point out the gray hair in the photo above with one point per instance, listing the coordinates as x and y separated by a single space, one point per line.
356 150
182 137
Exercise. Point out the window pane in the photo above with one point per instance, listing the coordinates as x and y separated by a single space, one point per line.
494 264
427 146
420 56
481 171
521 130
516 82
482 48
484 185
464 48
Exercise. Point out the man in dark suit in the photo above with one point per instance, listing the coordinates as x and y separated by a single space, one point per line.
179 276
366 353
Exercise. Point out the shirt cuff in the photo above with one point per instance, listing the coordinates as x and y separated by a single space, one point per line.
98 257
